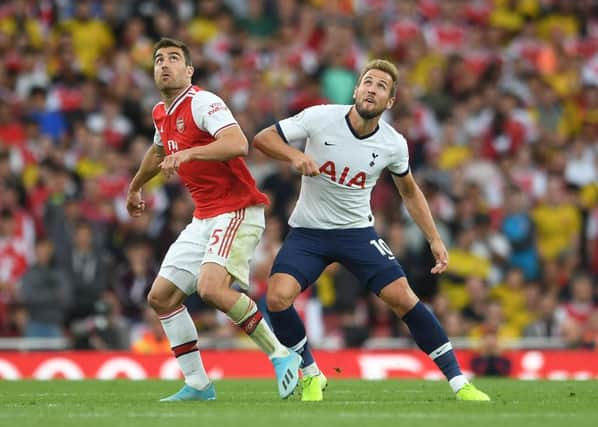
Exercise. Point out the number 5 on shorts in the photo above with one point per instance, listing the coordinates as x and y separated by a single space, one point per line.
215 236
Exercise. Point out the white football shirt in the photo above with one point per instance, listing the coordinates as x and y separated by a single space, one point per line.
339 197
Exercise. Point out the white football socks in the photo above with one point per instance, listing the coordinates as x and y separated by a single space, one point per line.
311 370
182 334
458 382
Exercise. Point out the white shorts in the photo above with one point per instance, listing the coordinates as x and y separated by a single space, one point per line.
228 239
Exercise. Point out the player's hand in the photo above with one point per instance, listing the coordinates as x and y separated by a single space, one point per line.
305 165
440 255
171 163
135 204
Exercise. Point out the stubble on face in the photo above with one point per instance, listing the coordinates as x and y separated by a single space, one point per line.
368 114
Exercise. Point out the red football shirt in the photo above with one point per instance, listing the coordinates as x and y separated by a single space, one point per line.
192 120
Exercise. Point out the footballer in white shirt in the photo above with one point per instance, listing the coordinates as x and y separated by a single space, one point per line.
346 149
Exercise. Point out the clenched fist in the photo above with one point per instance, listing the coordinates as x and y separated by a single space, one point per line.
305 165
135 204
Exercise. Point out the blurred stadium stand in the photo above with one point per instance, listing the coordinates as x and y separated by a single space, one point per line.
497 98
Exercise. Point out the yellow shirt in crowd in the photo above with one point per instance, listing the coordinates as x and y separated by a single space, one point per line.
556 228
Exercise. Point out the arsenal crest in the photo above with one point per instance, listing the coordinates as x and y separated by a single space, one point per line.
180 124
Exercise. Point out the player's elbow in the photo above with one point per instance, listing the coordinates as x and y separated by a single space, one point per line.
242 148
233 143
236 148
258 141
407 193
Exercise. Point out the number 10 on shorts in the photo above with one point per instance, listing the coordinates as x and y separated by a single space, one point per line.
383 248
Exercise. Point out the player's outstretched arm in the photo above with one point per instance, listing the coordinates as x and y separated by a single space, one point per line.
418 208
147 170
269 142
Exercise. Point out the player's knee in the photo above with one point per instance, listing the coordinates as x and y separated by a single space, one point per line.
399 297
208 290
157 301
205 292
164 298
282 291
278 301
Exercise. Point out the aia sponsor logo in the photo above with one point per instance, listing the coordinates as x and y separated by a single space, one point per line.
348 178
180 124
217 106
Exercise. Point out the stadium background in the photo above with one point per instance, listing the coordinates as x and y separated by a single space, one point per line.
497 98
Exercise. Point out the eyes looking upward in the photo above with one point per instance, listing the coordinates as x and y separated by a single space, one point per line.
370 82
171 57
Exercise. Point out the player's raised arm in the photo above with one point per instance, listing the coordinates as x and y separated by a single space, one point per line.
148 168
269 142
419 210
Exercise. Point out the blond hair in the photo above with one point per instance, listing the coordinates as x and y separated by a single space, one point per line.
384 66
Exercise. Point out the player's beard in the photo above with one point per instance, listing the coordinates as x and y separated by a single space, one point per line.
368 114
170 86
174 84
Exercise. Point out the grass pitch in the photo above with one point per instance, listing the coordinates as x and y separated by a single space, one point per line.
249 403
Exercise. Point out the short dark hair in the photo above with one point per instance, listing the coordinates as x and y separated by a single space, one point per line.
168 42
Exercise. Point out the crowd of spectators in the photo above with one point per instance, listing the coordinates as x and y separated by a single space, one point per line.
498 100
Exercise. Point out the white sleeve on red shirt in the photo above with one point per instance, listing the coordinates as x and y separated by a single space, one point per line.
210 113
157 139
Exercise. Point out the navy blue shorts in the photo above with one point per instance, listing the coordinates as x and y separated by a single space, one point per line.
306 252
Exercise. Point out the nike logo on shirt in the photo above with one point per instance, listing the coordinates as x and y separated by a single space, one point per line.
328 143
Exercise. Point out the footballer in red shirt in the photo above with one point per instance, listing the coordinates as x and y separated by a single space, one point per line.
197 137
